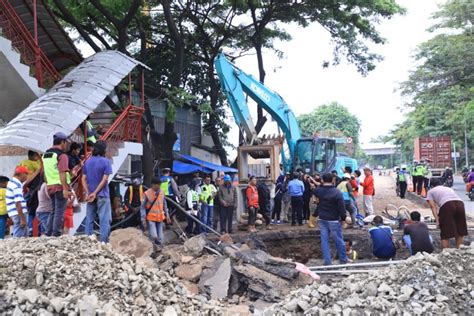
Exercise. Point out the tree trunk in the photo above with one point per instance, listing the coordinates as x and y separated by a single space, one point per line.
213 119
169 136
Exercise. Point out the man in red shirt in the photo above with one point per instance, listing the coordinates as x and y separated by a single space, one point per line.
368 192
252 203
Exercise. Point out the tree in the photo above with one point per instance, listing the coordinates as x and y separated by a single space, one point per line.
328 118
440 89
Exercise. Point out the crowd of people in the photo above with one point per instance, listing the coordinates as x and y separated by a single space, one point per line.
41 188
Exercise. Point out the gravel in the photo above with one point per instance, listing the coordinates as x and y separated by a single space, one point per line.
440 284
79 276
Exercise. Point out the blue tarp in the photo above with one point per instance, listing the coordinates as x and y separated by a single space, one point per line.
206 164
186 168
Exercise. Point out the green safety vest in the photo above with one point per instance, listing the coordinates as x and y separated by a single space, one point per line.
401 177
419 170
206 192
165 185
50 165
90 135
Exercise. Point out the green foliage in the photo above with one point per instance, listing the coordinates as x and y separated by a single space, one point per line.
330 117
440 89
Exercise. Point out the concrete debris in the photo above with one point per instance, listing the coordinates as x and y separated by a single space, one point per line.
441 284
215 281
195 245
190 272
131 241
83 277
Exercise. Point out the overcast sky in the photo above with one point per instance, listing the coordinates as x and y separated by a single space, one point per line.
304 84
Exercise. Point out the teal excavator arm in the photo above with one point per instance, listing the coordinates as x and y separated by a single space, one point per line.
236 83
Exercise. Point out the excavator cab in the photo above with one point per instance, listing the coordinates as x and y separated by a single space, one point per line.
314 155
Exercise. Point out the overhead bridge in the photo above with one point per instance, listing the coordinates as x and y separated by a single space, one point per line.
380 149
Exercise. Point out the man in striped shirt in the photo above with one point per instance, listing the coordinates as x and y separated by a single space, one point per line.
16 204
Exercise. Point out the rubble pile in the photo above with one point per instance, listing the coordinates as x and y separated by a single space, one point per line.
440 284
79 276
234 273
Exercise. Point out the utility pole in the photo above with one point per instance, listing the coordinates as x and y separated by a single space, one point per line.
455 159
465 148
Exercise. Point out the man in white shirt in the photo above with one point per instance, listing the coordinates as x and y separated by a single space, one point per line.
16 204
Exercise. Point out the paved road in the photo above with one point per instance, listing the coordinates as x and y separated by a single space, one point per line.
460 188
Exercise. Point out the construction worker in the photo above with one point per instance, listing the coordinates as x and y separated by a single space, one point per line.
208 193
58 178
154 211
91 133
402 181
132 200
252 203
192 207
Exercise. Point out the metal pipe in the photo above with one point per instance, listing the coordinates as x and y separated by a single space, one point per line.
361 264
180 208
342 271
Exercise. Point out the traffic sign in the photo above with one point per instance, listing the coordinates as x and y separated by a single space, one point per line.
455 155
349 140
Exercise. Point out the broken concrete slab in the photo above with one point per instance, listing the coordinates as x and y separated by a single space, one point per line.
215 281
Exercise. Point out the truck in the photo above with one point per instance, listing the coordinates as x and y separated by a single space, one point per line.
437 150
308 154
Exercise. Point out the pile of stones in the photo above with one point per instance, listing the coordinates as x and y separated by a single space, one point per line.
441 284
80 276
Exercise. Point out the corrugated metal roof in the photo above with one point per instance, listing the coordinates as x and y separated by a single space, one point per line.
65 106
52 38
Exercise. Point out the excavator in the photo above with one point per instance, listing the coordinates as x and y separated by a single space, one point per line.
308 154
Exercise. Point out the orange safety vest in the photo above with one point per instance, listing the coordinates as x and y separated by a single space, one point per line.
156 211
252 196
130 196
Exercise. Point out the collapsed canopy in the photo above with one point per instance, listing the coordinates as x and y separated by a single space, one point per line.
66 105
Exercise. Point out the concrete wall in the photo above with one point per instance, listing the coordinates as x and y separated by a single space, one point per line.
8 164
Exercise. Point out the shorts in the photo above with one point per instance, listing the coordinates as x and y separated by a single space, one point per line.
68 218
452 220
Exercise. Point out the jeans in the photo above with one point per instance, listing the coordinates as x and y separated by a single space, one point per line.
206 216
227 213
56 219
334 229
103 209
17 230
43 218
3 225
155 229
297 209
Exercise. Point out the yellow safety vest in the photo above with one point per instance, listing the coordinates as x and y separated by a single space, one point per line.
50 165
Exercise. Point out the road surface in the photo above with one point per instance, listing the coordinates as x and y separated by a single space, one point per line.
460 189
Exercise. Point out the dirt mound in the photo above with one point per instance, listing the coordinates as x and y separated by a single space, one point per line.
440 284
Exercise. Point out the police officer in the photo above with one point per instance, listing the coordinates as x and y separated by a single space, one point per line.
414 176
420 169
402 182
192 208
170 189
